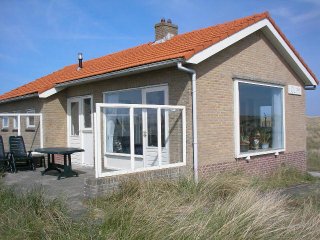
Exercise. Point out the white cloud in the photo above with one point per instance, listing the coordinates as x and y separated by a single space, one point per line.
297 17
304 17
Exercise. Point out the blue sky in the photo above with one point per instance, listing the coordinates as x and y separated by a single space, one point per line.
41 36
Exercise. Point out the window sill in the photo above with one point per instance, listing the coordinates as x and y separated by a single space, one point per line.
259 152
122 155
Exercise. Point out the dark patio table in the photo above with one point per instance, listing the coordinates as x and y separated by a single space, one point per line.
66 152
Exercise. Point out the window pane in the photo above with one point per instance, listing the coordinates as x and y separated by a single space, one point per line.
155 98
5 122
75 118
126 97
261 118
87 112
15 122
30 119
138 131
118 131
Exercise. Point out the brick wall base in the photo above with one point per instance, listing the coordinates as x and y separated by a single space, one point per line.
259 165
94 187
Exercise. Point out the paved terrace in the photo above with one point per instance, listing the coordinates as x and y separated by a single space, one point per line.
71 189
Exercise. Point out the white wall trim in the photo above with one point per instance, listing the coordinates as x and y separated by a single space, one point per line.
50 92
273 36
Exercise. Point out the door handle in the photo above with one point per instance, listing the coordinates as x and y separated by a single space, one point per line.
145 133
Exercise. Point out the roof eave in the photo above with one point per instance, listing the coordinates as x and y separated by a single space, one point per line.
123 72
273 35
23 97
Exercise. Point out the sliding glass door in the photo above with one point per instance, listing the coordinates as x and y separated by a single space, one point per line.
117 132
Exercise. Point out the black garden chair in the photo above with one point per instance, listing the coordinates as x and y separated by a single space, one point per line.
5 161
19 154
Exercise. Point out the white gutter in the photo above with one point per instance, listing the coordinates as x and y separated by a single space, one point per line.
124 72
31 95
194 118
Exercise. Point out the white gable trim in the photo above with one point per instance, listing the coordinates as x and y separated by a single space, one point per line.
266 26
50 92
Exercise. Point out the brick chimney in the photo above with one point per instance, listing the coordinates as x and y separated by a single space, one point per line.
165 30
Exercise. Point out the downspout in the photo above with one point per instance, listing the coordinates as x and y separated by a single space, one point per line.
194 118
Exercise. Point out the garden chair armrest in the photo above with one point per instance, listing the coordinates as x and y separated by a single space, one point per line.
29 153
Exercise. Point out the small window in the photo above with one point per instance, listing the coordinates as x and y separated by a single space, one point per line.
30 119
15 122
87 113
5 122
75 119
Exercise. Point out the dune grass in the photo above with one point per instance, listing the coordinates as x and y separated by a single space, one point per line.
313 143
224 206
31 216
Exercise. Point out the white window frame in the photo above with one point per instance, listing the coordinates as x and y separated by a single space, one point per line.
238 154
98 137
163 87
91 106
31 110
5 126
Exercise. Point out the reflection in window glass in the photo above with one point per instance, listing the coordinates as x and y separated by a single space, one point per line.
155 98
118 122
74 118
30 119
87 111
261 117
15 121
5 122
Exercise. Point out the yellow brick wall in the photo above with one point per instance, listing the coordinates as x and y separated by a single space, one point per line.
252 58
55 120
179 94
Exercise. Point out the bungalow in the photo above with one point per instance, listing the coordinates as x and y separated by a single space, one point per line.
229 96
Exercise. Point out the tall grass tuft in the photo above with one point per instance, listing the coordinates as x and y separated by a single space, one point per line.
313 143
31 216
284 176
223 207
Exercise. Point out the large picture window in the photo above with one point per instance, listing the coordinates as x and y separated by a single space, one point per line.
261 118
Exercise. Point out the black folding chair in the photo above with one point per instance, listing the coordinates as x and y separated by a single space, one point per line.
5 161
19 154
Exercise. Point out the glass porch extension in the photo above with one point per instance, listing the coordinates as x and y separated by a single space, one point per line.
138 137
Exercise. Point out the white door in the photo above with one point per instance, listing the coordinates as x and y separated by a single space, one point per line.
80 129
155 96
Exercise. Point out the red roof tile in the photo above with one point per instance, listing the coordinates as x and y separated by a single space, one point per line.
180 46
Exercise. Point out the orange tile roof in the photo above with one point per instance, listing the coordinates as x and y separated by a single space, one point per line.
180 46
